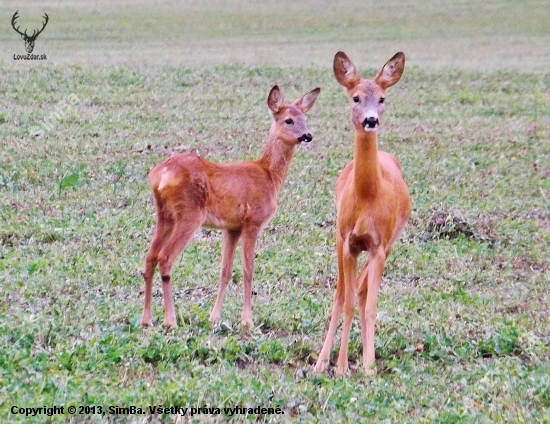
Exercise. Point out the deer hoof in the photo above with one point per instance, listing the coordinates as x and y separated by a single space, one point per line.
321 365
247 324
170 325
145 323
370 369
341 369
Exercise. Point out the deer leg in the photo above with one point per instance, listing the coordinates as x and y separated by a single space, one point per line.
349 262
337 303
362 296
229 245
372 283
249 243
183 231
162 232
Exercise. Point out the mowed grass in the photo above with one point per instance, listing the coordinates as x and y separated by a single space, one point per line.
466 34
463 321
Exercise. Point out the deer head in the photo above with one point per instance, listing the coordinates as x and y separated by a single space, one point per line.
29 39
367 95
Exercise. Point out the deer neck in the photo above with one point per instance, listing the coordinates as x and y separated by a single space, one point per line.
276 158
366 168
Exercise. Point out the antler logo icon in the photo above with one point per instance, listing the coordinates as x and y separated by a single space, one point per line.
29 39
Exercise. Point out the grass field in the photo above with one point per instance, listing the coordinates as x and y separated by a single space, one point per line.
464 317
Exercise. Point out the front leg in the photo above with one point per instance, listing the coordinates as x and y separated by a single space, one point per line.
337 304
249 243
371 285
362 296
229 245
349 262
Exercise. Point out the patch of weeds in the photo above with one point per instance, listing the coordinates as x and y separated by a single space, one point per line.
504 342
14 237
9 238
12 181
392 345
450 225
69 180
303 349
124 77
111 349
445 348
37 265
118 171
272 351
194 315
231 350
439 347
469 97
542 395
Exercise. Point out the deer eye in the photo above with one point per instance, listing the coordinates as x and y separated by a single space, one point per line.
289 121
356 99
382 99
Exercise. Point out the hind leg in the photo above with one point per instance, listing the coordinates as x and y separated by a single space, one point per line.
183 231
162 232
362 296
370 287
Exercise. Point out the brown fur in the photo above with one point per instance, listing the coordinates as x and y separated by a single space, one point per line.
239 198
373 206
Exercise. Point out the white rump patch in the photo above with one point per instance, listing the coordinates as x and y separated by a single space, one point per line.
164 179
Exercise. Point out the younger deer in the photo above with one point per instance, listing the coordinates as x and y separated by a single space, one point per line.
372 202
238 198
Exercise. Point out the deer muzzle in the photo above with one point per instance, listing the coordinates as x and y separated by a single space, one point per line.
370 123
305 137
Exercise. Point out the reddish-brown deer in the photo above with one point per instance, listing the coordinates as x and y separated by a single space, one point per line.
373 205
239 198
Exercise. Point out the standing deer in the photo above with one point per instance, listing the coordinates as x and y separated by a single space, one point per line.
239 198
29 39
373 205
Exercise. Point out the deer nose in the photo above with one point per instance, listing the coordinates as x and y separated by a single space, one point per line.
305 137
370 122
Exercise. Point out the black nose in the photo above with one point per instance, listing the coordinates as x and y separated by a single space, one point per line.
370 122
305 137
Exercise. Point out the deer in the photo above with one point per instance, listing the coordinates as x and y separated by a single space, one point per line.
373 205
239 198
29 39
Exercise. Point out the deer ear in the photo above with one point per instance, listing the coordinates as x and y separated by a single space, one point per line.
275 99
391 72
344 70
305 102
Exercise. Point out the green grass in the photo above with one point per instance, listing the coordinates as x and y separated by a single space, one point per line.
463 326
